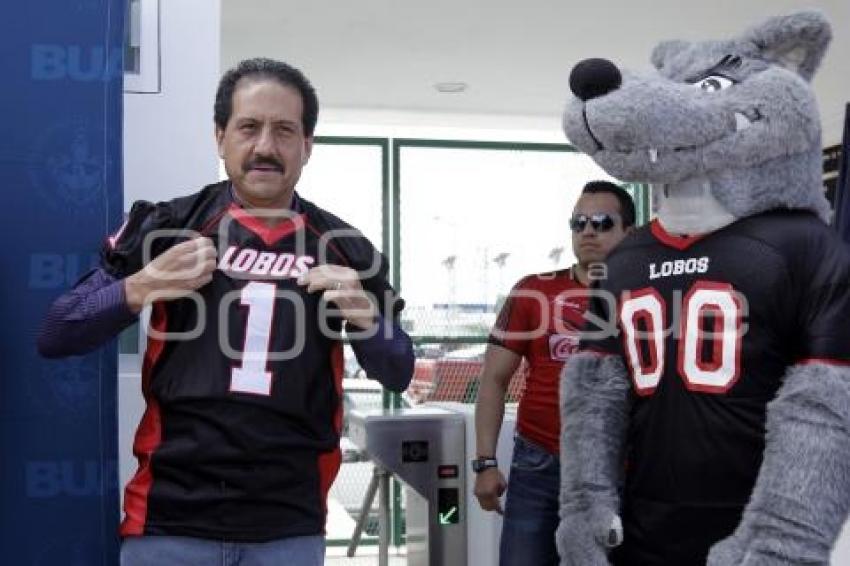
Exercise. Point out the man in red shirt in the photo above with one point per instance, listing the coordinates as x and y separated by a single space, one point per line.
540 321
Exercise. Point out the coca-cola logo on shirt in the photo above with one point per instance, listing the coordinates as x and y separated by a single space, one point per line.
561 346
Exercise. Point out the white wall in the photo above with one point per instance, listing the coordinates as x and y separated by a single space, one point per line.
169 148
841 551
434 125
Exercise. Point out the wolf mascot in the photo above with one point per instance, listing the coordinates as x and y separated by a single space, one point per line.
706 417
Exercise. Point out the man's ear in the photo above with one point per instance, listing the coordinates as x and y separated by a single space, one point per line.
796 42
308 150
665 51
219 141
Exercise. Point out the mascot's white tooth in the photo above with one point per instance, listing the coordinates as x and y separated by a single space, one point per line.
653 155
741 122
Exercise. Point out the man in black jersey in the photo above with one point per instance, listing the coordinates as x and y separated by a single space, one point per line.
250 287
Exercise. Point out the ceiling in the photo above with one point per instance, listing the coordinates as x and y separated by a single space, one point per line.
515 56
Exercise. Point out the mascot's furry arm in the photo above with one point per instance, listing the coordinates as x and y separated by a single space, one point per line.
595 390
802 495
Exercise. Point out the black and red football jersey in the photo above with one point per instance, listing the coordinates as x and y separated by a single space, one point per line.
707 327
240 437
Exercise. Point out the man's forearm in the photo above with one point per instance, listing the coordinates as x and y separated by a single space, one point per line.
85 317
489 413
386 355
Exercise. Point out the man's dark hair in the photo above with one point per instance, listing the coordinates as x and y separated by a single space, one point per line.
262 68
627 205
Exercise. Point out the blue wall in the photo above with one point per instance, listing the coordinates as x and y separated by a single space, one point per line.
60 176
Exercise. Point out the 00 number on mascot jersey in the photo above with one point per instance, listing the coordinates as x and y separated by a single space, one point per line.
709 322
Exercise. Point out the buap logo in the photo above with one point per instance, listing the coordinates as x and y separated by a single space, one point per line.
68 167
59 271
71 385
46 479
52 62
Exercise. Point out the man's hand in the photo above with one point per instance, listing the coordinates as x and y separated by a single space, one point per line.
175 273
489 487
341 285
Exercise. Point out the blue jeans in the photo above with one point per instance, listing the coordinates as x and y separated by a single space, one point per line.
531 509
189 551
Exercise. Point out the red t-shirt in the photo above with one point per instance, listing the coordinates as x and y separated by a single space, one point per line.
541 320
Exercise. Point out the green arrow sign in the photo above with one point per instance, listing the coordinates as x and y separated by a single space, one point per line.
449 517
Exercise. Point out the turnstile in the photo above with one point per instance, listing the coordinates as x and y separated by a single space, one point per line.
426 448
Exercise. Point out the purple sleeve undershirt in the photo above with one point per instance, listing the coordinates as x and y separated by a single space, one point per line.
86 317
386 355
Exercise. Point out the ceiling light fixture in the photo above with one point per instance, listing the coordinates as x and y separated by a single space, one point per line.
451 87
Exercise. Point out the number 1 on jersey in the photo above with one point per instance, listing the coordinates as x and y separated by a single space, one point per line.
253 375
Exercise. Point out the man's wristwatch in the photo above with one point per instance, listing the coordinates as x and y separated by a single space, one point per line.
482 463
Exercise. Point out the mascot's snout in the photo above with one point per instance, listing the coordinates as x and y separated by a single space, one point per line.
593 78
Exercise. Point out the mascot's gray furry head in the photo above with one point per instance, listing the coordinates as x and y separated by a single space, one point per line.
734 119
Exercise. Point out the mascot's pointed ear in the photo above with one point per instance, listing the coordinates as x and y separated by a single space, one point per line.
796 41
665 50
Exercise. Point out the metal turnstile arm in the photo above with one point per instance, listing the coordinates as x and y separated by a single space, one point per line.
380 482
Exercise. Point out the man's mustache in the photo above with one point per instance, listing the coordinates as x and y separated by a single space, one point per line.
263 162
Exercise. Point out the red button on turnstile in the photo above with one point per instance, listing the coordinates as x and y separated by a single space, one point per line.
447 471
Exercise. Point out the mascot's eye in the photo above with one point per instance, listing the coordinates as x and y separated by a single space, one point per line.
713 83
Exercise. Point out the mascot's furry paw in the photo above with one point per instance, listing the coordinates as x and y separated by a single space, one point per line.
584 538
747 551
731 552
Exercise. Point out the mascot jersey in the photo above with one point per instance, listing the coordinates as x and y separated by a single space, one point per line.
240 437
705 326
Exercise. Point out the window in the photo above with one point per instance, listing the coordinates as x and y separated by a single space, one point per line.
141 46
474 217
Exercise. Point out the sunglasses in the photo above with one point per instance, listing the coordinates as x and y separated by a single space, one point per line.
600 222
